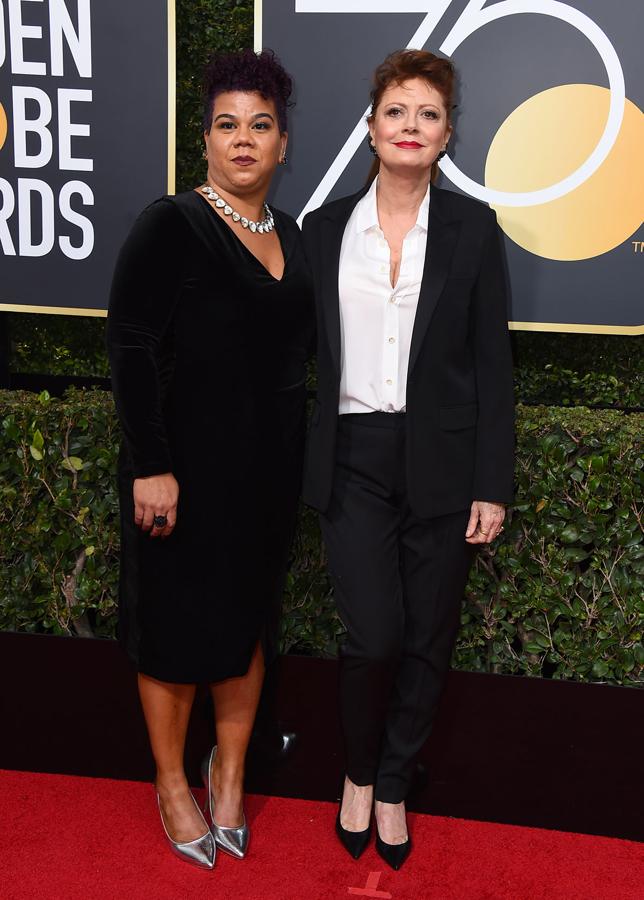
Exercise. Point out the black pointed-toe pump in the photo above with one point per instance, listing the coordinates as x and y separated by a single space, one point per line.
393 854
354 842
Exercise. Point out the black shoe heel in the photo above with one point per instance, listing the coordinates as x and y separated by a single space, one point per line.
393 854
354 842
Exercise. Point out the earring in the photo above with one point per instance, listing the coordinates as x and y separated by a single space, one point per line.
442 153
372 147
283 160
204 155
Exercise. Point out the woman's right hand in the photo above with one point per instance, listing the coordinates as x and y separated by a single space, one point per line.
157 495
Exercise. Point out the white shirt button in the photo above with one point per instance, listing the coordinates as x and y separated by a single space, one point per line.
392 340
389 381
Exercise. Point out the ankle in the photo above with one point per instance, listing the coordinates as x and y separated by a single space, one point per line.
358 788
171 784
228 779
390 813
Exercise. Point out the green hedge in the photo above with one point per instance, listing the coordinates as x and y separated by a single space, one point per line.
57 345
550 369
560 594
578 369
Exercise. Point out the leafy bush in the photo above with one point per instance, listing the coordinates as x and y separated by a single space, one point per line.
560 594
58 345
59 540
578 369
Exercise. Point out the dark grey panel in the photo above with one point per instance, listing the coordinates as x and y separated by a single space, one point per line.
128 118
332 56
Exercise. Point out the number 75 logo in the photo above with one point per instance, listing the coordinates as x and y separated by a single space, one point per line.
520 207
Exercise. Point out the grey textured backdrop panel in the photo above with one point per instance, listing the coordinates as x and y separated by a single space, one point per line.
128 141
332 55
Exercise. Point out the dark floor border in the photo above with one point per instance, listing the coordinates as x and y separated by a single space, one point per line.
504 749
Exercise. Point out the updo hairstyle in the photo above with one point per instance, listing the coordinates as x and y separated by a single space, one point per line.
251 72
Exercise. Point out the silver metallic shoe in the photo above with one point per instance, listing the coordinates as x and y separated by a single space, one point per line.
230 839
200 852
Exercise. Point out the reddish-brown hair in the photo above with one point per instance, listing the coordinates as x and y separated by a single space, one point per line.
404 65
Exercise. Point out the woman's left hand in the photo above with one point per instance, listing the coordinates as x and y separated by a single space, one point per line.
486 521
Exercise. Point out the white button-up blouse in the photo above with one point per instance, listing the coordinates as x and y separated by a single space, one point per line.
377 320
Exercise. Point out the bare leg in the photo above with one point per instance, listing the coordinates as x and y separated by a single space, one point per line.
357 801
166 708
392 825
235 702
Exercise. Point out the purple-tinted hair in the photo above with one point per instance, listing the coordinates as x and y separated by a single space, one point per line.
246 70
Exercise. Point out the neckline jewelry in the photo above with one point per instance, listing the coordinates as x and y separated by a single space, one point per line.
262 227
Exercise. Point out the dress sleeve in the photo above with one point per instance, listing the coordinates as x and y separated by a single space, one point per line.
494 469
145 289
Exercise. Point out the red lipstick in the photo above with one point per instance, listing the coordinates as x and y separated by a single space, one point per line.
408 145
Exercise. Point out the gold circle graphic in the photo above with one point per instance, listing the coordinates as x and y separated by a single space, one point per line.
545 139
3 126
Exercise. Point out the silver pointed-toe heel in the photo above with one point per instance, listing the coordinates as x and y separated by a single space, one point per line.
230 839
200 852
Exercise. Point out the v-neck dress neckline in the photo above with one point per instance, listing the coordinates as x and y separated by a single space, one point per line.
239 241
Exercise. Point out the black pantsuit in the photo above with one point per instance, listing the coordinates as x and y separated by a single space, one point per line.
394 491
398 581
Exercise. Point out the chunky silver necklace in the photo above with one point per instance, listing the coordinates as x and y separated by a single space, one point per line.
267 223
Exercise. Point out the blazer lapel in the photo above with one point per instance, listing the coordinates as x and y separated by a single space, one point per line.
441 241
331 233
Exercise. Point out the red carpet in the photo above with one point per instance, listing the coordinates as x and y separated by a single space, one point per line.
66 838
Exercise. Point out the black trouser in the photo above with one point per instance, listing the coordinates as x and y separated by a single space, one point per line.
399 583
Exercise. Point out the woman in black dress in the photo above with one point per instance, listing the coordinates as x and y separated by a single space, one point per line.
209 327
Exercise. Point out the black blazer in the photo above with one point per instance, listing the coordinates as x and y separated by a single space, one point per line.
460 405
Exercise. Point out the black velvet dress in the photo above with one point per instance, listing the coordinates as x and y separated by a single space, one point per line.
208 356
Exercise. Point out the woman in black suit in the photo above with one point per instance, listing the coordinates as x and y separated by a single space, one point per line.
210 322
410 453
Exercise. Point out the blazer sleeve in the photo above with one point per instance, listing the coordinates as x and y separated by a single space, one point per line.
494 464
145 289
308 243
308 240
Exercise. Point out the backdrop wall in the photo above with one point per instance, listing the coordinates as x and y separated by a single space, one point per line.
548 130
86 141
